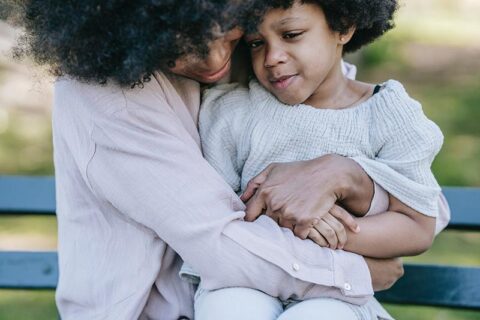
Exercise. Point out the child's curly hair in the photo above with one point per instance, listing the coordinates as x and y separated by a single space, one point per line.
371 18
120 40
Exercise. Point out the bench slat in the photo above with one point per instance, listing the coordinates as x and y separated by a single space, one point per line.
36 195
465 206
28 270
30 195
446 286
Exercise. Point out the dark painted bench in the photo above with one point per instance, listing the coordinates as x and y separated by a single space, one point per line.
435 285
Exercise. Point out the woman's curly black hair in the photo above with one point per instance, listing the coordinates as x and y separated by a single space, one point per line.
371 18
120 40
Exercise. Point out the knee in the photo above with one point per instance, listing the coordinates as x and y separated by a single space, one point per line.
236 303
320 309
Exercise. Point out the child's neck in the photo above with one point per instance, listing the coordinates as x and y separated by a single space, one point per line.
339 92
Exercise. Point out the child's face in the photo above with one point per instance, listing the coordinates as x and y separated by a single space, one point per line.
294 52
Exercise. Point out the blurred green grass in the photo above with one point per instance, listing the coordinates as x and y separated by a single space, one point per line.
431 53
19 304
25 143
433 57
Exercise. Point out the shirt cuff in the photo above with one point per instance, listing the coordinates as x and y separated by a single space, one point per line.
354 284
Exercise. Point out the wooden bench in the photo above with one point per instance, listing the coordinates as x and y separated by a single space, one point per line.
434 285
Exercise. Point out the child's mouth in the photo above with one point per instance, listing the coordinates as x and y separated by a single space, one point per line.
282 82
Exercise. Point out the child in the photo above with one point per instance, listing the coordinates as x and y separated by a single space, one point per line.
301 106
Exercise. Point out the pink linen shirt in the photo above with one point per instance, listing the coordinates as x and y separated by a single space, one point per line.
135 197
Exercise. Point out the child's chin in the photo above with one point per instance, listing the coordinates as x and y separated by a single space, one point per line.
289 100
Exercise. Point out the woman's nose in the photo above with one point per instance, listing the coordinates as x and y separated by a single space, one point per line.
233 35
222 49
274 55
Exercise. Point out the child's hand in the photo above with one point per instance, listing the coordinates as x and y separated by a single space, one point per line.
330 231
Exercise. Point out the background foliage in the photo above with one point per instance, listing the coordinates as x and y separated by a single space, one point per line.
433 52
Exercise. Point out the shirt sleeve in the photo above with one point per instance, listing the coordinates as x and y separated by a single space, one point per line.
409 142
149 169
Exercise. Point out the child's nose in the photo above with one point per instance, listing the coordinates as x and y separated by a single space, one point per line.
274 55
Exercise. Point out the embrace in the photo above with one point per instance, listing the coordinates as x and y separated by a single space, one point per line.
218 159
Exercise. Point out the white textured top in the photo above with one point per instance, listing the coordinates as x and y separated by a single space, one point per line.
245 129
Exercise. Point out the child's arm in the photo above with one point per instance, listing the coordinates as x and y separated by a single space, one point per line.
407 144
401 231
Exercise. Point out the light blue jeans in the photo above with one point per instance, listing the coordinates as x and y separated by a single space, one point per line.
244 303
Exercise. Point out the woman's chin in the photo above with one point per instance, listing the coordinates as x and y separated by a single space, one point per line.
208 80
215 76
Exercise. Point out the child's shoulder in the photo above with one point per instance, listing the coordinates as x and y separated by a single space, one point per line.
393 102
225 91
230 94
225 101
235 96
394 92
394 111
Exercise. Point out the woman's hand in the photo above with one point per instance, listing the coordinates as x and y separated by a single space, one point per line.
300 194
384 272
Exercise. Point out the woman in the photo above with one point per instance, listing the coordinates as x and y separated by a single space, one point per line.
133 191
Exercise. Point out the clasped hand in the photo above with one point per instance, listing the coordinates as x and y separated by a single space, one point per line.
303 196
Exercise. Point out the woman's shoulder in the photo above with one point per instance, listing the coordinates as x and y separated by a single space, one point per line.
110 97
66 86
75 98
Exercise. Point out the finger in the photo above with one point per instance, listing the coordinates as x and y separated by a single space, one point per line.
254 207
328 233
316 237
346 218
249 191
255 182
286 223
273 215
339 229
302 230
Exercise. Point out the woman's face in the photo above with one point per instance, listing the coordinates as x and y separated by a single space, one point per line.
213 67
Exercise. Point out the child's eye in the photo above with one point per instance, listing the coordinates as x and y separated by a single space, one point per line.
254 44
291 35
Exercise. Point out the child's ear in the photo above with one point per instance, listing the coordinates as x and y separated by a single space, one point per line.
343 38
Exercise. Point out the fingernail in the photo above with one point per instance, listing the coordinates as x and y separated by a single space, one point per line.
357 229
